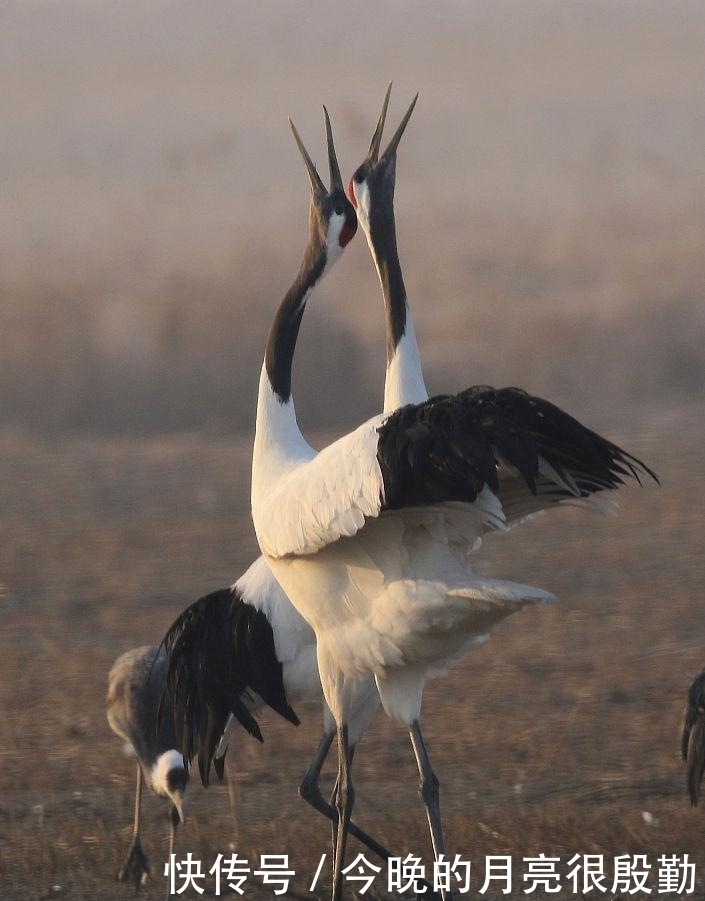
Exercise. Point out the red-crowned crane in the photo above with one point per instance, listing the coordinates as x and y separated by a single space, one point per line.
244 647
239 649
369 538
134 689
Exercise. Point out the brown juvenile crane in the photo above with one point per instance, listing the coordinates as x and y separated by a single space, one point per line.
134 689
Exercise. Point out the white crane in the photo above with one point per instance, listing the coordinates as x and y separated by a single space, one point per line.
369 537
241 648
134 689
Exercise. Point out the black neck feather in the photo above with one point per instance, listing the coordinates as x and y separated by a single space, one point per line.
383 238
284 332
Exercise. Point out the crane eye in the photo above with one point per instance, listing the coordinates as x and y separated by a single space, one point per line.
359 176
339 210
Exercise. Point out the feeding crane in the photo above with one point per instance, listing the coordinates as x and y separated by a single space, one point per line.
134 689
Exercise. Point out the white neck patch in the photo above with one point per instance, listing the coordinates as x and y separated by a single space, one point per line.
404 382
362 196
169 760
333 247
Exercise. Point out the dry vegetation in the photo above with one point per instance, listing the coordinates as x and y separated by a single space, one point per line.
551 205
555 737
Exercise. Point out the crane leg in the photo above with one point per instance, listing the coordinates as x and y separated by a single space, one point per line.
430 795
136 866
344 804
310 791
138 803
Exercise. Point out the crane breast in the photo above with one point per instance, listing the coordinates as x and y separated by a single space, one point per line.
321 500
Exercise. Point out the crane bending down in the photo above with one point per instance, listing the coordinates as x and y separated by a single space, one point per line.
134 689
693 736
369 537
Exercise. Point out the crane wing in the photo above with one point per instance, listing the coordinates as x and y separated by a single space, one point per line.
221 658
323 499
501 455
528 452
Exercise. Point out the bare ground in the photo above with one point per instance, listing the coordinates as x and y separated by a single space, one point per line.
559 736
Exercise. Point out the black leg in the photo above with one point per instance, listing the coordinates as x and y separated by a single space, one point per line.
310 791
344 804
352 828
136 867
430 795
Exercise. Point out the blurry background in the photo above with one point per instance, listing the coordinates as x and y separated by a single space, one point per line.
153 209
551 203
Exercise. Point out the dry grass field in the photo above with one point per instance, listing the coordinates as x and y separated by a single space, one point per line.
559 736
551 214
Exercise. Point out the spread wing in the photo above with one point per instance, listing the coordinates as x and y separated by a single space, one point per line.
449 450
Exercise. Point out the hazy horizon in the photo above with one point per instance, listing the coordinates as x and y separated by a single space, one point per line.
550 200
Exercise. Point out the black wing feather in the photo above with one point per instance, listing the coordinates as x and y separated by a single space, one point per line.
451 446
221 651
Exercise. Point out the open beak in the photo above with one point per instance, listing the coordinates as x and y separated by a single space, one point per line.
393 144
336 180
314 177
373 154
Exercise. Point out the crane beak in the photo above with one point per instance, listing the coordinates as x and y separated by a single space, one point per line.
336 180
392 146
373 153
314 177
178 802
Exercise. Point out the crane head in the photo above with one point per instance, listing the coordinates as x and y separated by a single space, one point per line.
372 184
332 215
169 777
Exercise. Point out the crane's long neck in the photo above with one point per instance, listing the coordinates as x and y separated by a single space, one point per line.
284 332
404 382
278 439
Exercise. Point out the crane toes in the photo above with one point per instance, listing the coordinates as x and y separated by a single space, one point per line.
136 867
